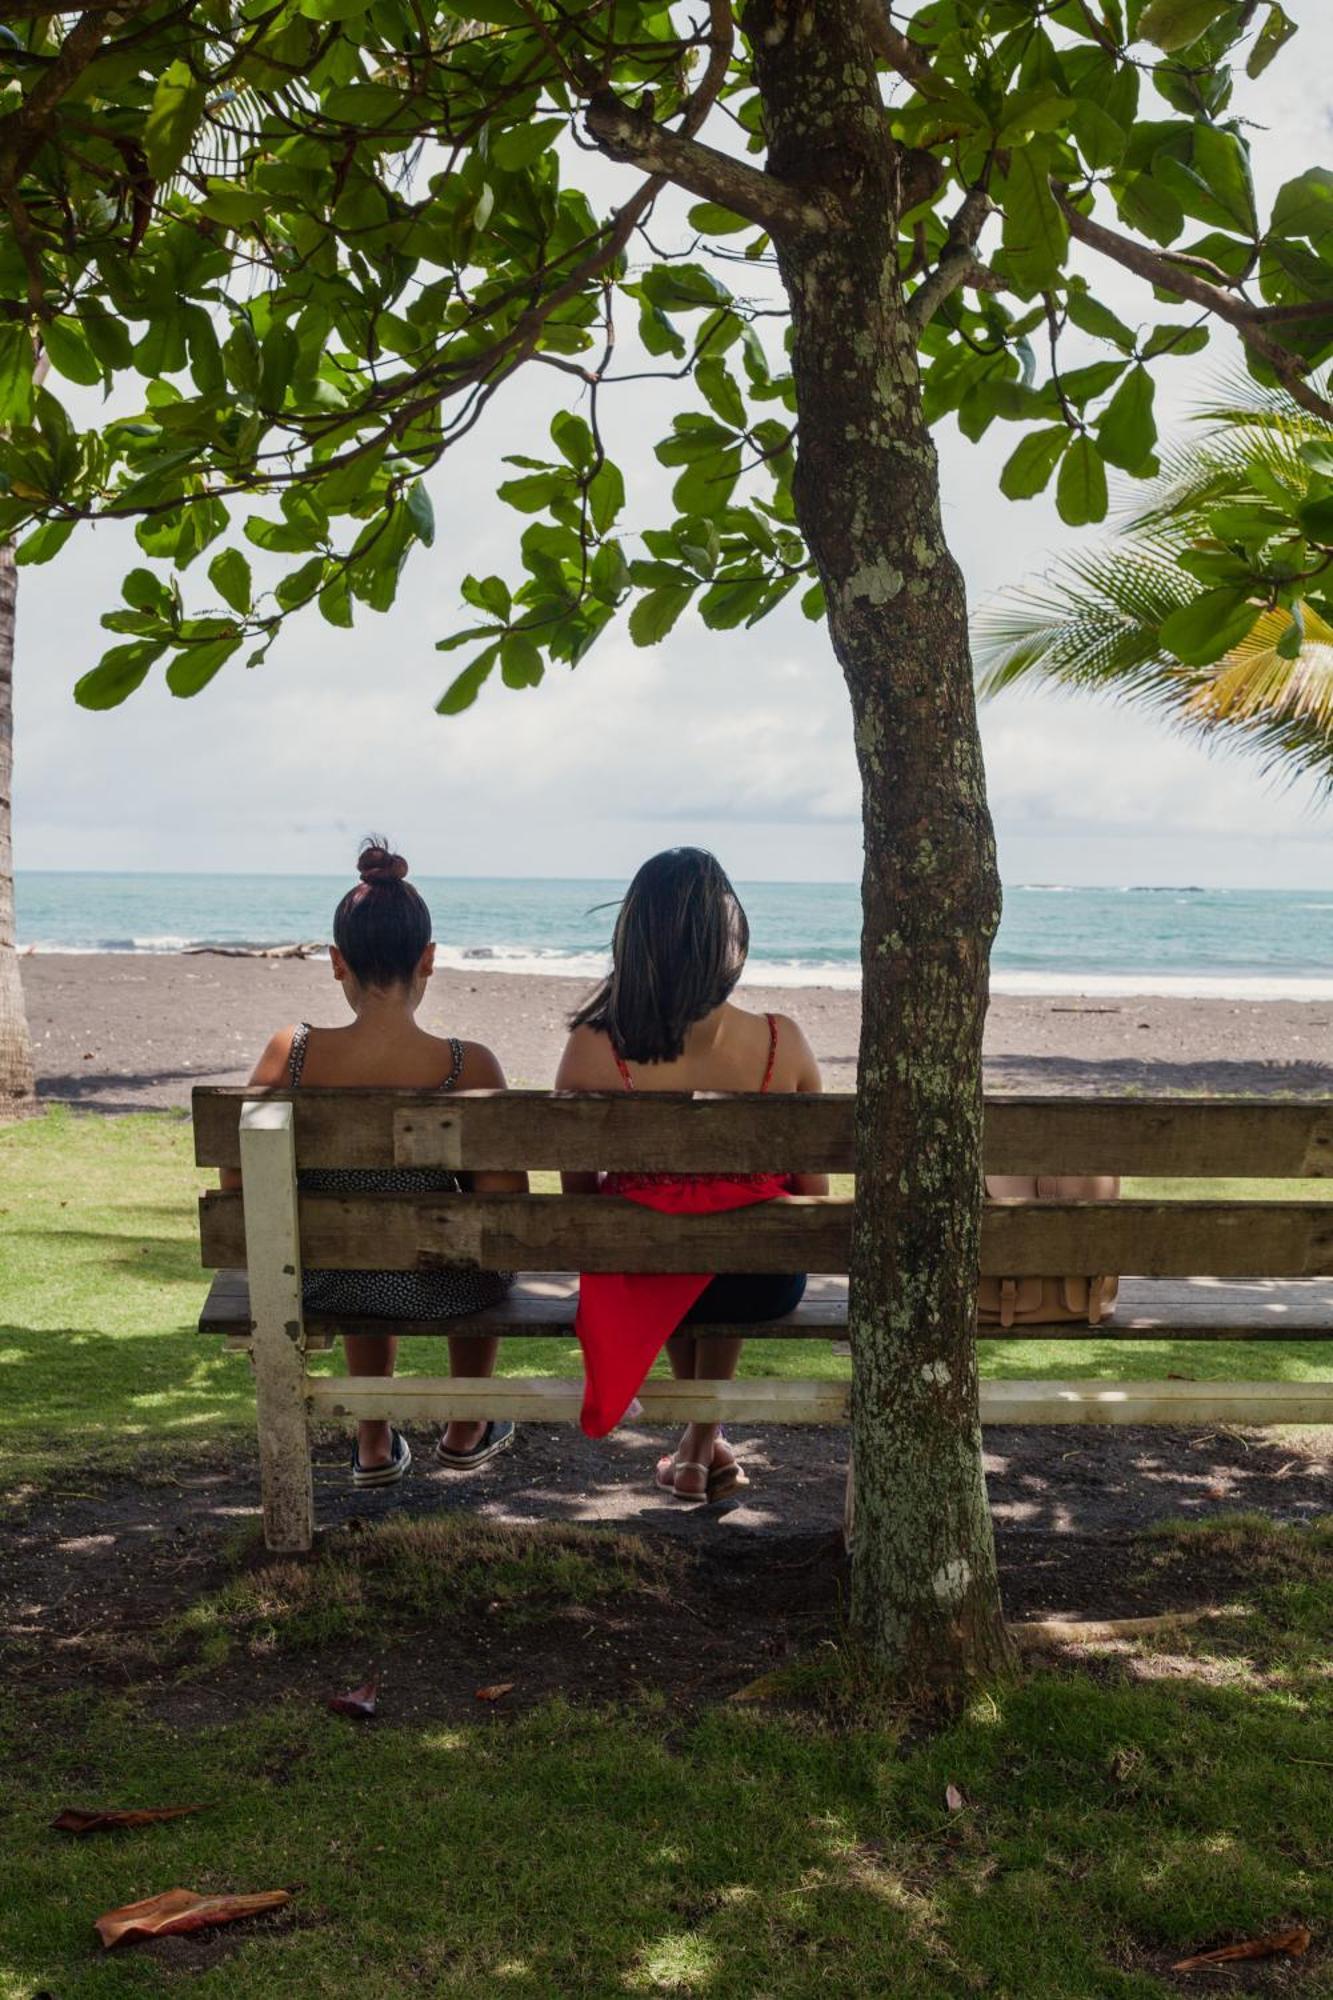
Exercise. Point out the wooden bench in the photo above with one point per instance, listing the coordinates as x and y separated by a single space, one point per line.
1209 1270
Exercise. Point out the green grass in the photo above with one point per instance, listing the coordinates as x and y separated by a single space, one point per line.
1114 1820
100 1286
1119 1811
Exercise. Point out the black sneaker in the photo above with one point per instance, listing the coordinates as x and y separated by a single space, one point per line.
496 1437
397 1467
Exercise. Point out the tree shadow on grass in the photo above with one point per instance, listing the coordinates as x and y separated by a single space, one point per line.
173 1258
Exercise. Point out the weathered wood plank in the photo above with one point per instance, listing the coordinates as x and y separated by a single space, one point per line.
1166 1137
526 1232
594 1233
541 1306
269 1165
744 1133
473 1130
416 1399
1181 1404
546 1399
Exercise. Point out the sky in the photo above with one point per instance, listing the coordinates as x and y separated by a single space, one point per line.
739 741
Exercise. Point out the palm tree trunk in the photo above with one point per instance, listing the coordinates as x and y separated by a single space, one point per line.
18 1095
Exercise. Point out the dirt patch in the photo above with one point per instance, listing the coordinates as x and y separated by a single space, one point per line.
90 1581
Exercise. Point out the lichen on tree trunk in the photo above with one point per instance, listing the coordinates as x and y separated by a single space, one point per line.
17 1094
925 1597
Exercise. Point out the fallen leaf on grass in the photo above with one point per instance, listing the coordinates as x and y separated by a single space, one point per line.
495 1693
359 1702
1288 1944
177 1910
953 1798
75 1820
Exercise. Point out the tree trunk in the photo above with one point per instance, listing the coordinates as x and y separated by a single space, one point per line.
18 1098
925 1595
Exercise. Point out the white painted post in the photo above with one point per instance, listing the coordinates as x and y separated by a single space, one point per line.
273 1260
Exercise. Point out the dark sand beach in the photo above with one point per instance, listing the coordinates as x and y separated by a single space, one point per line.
123 1032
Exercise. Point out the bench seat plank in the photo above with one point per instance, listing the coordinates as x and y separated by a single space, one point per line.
541 1306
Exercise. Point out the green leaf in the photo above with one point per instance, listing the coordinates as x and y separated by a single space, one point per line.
1036 235
573 439
1100 139
522 144
420 512
683 288
66 342
1288 646
229 574
1150 208
606 495
1316 520
1277 30
535 492
520 661
117 674
16 365
44 542
654 615
1029 468
173 117
1175 340
1080 492
813 603
335 601
719 389
1127 430
1091 316
711 220
300 585
195 667
706 485
1208 626
731 600
146 591
1174 24
462 692
488 593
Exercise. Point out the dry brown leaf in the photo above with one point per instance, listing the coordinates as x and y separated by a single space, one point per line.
495 1693
953 1798
358 1702
1282 1944
178 1910
75 1820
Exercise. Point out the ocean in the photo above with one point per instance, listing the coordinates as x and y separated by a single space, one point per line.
1243 943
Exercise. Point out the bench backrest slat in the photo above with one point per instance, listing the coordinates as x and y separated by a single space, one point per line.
652 1132
593 1233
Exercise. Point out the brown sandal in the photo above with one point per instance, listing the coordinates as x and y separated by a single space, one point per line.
668 1475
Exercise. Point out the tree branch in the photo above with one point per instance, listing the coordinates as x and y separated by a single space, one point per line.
1158 270
898 52
958 262
632 136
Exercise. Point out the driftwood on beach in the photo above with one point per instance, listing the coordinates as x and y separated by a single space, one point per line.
255 950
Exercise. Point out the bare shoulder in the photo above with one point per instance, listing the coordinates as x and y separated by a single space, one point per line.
588 1062
481 1070
797 1059
273 1066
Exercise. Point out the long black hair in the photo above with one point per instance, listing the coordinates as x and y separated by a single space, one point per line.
679 946
382 926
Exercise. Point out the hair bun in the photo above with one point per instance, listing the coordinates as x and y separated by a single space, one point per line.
377 864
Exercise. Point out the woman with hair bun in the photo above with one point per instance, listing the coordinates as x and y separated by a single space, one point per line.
664 1019
382 957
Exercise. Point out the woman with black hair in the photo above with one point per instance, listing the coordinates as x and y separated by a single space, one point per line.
382 957
664 1019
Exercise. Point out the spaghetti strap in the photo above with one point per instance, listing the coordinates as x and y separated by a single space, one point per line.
772 1020
623 1067
296 1054
456 1050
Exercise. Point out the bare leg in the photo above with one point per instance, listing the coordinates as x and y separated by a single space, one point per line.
469 1354
711 1360
371 1354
